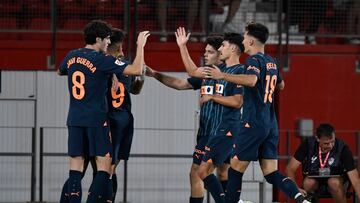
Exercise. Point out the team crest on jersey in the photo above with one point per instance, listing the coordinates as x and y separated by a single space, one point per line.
207 90
331 161
219 89
119 63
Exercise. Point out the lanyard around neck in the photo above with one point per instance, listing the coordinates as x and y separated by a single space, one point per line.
322 164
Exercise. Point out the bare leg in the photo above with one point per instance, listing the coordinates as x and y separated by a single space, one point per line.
211 182
77 163
222 171
197 185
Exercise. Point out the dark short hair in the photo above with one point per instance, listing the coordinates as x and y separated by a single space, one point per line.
325 129
117 35
94 29
214 41
235 38
258 30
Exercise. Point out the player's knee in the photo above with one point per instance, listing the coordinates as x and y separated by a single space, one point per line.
194 174
196 183
103 164
239 165
202 173
222 175
77 163
268 165
194 171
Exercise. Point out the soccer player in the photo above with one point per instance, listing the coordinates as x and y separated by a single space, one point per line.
120 116
88 70
211 57
258 138
226 100
119 101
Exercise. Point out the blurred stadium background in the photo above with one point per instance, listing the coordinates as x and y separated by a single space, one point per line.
315 41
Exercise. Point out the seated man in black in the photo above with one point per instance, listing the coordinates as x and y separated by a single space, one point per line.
324 155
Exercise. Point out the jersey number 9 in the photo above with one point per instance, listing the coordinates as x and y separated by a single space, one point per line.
118 96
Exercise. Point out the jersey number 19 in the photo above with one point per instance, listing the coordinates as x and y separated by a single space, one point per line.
270 88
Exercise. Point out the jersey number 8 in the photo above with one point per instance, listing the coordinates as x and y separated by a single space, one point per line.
78 80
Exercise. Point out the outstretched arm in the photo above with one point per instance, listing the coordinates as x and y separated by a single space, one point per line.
240 79
181 39
170 81
137 84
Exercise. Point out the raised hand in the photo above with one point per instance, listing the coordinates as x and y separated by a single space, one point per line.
142 37
181 37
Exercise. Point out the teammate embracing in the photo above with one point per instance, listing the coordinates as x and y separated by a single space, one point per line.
259 136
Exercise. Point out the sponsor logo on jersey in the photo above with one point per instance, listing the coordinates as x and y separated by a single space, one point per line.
253 68
207 90
219 89
119 63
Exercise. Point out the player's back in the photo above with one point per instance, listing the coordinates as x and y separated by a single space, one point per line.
259 100
88 72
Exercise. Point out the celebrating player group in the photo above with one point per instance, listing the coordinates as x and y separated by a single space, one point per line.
237 116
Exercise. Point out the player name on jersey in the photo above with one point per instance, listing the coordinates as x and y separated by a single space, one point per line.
271 66
82 61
